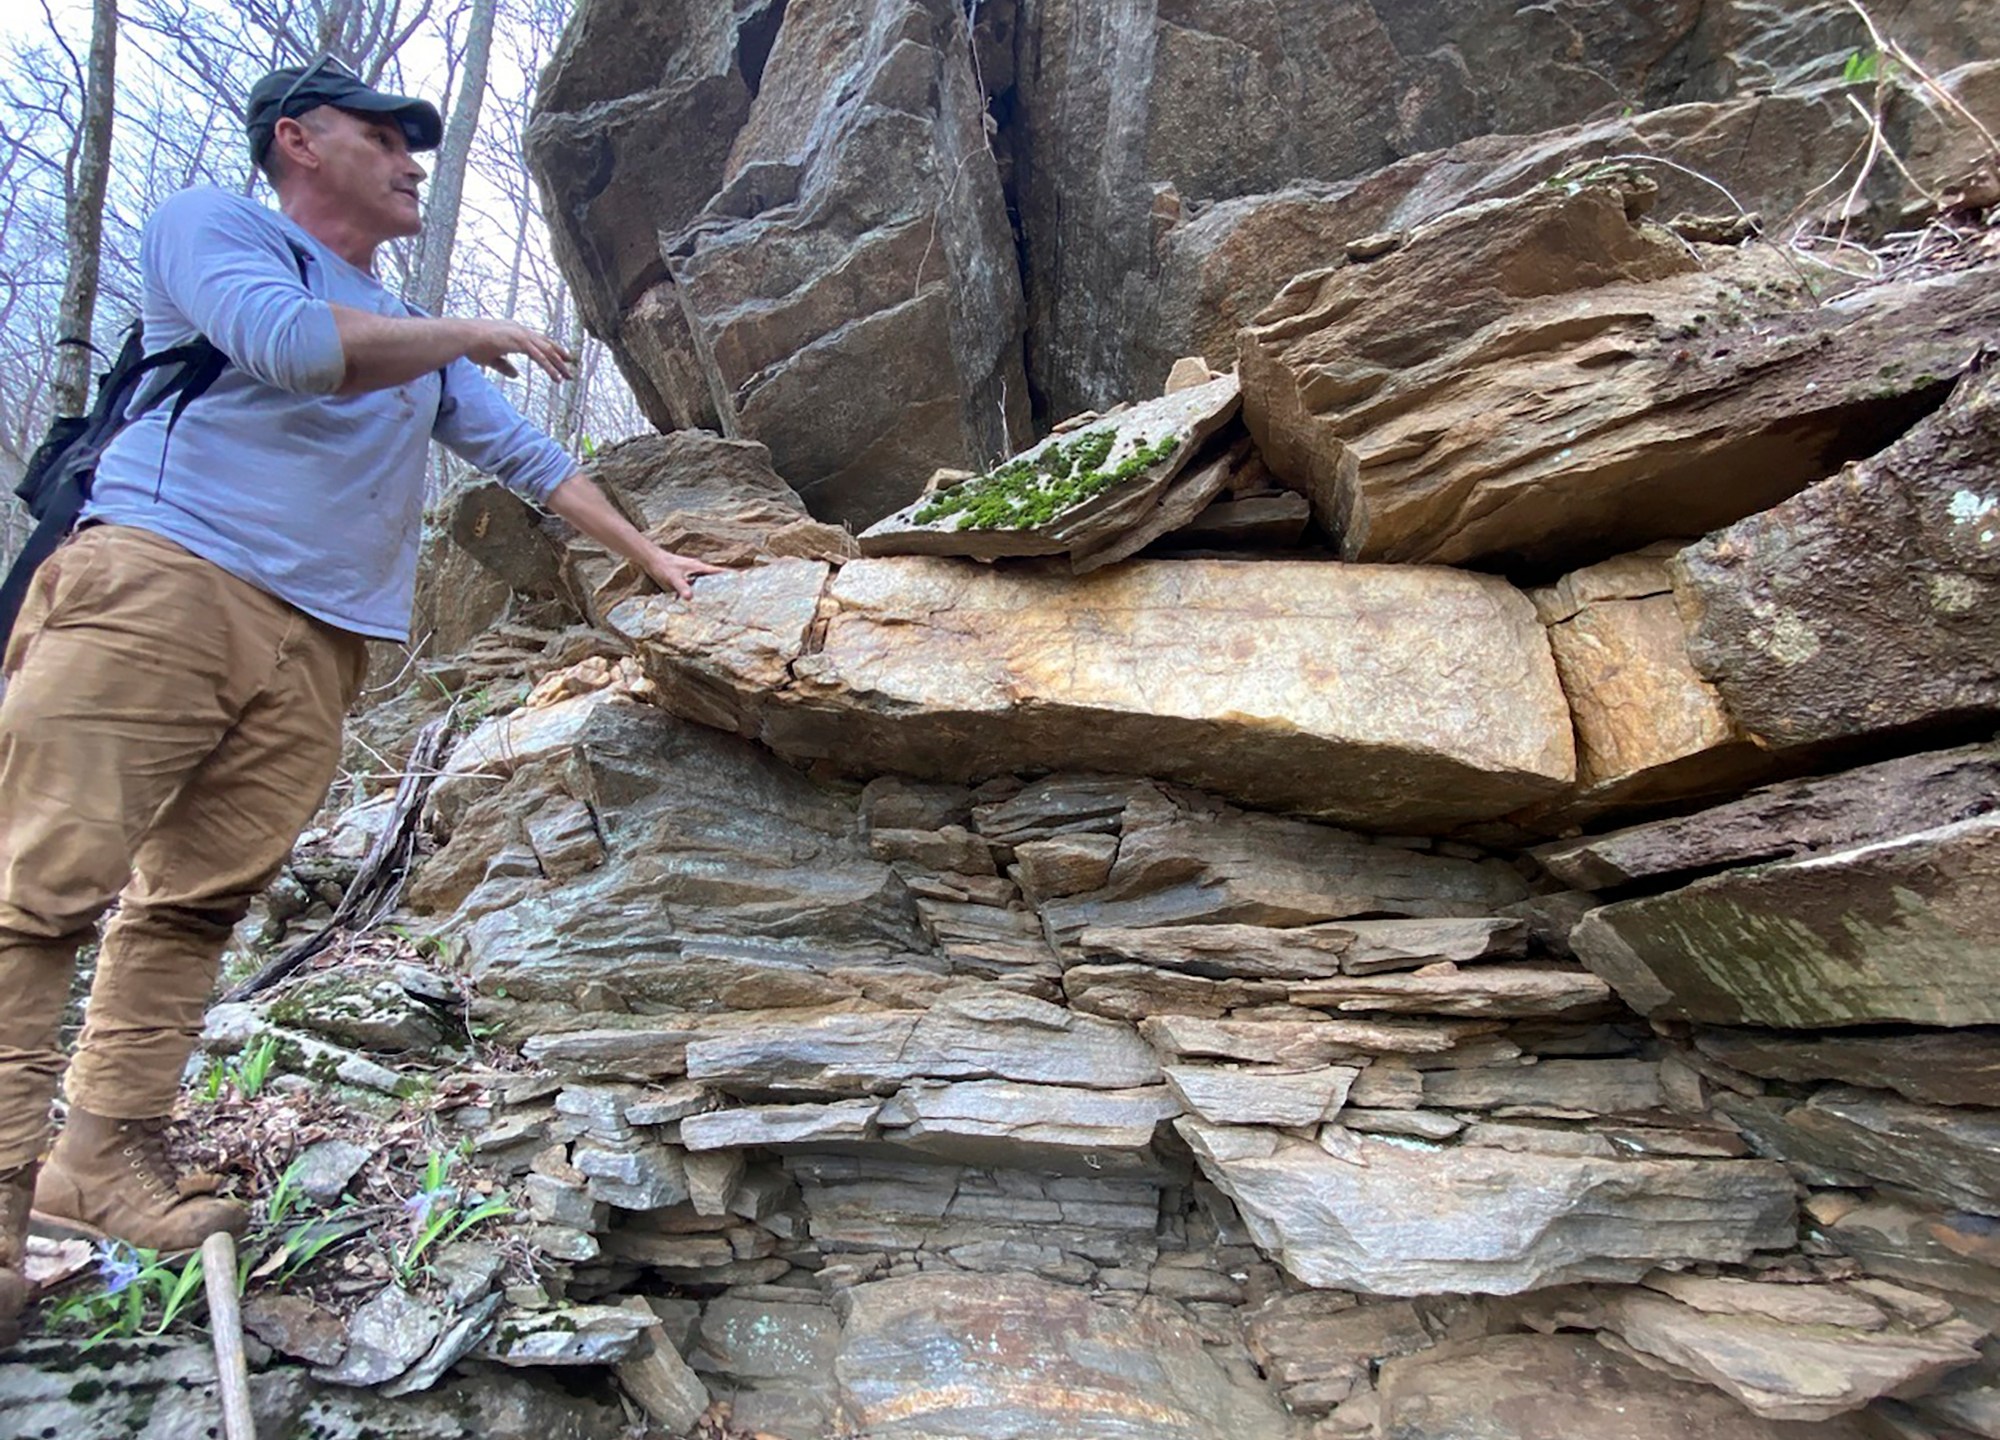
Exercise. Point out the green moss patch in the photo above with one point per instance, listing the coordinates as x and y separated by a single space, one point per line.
1033 490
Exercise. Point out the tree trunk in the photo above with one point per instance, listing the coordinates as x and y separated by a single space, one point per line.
83 221
448 184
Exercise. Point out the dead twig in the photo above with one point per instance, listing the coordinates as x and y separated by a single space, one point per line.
379 881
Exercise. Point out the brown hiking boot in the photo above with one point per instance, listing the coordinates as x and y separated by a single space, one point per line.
16 1189
111 1179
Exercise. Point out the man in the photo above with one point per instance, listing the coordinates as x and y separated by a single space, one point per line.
178 677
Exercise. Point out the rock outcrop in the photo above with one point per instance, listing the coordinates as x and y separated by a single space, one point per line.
800 191
1156 962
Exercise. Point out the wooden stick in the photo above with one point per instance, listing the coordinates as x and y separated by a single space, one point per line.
225 1319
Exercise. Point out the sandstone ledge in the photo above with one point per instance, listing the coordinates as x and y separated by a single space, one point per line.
1392 697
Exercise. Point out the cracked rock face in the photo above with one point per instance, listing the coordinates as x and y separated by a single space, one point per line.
1548 381
793 231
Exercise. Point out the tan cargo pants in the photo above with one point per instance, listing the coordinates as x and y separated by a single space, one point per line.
167 730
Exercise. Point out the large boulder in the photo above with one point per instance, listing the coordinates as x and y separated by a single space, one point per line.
1394 698
1870 603
1410 395
796 233
1900 930
1130 126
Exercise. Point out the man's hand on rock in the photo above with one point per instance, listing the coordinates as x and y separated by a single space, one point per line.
490 342
677 572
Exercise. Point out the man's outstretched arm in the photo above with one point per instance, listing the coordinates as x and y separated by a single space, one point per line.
580 502
384 351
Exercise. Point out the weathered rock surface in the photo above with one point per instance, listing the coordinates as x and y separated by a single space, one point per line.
793 207
1946 1067
1182 862
1790 1372
1132 257
703 836
1266 1041
1510 990
1307 952
1949 1153
1262 1097
1953 1253
1530 1387
989 1358
1865 604
1411 394
165 1389
1410 1219
1219 267
1368 695
1794 817
997 1036
697 493
1902 930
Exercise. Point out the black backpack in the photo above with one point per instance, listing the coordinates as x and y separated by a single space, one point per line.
59 473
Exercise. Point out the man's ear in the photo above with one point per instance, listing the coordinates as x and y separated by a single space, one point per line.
292 140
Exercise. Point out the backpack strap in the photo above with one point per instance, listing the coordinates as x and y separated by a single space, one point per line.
56 485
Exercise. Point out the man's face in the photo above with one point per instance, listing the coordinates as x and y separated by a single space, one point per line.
366 167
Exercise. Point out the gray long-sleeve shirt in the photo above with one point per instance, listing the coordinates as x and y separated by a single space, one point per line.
313 497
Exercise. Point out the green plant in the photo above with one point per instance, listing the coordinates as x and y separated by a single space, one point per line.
249 1072
1863 67
440 1213
253 1067
289 1235
141 1294
428 947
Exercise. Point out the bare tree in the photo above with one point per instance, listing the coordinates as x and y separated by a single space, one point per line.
448 180
88 174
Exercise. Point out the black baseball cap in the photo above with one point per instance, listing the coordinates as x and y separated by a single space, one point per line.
292 92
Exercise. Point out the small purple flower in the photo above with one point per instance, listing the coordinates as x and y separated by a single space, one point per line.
117 1266
424 1201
